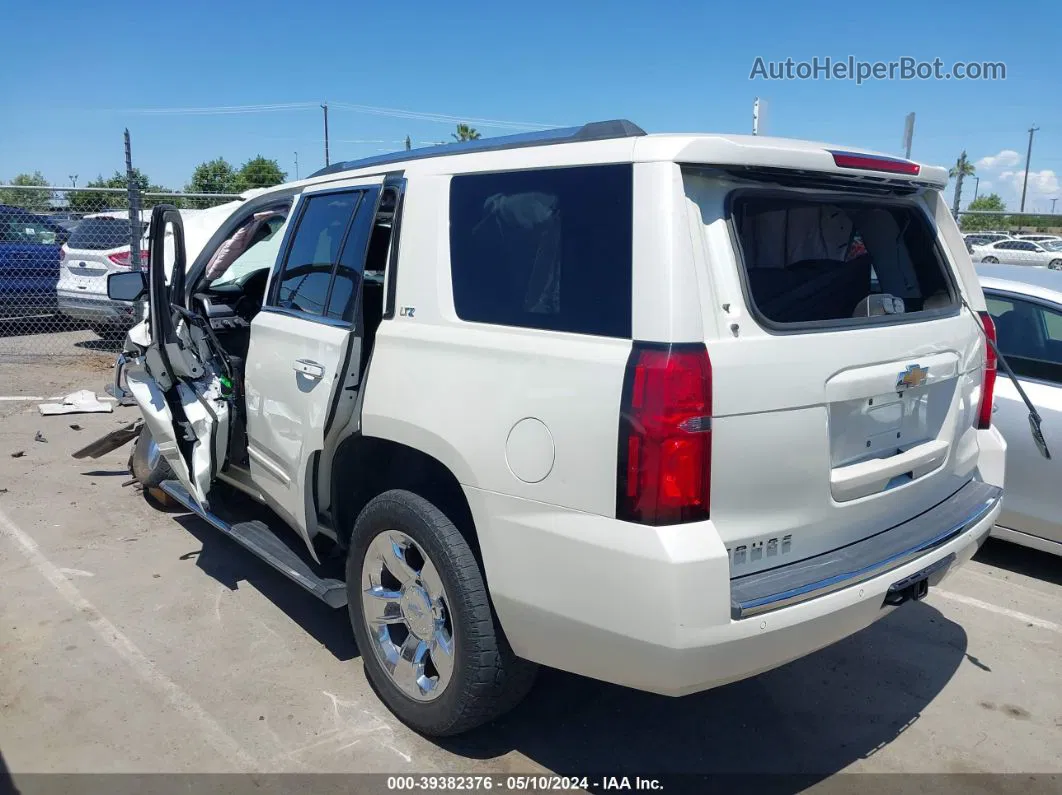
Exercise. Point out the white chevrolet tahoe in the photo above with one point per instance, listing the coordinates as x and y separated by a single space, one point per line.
663 410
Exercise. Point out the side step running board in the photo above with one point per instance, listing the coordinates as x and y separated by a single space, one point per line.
256 537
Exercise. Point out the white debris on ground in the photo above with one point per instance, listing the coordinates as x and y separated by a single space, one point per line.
83 401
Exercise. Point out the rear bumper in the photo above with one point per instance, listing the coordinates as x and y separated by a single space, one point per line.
654 608
95 309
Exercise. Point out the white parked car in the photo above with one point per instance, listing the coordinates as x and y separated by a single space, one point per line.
663 410
99 246
1026 306
984 238
1018 252
1038 238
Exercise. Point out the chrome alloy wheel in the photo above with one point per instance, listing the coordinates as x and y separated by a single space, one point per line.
407 613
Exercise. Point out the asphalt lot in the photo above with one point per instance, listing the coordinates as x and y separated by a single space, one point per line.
133 640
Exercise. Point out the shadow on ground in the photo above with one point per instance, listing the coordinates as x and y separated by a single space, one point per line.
232 565
812 718
804 721
1021 560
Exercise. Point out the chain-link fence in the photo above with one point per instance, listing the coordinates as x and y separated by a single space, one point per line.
58 245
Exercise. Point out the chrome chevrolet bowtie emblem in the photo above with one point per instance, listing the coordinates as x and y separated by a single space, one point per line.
914 375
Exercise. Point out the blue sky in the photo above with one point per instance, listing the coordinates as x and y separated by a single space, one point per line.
69 91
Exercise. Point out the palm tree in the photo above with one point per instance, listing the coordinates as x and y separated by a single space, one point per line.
962 168
465 133
409 144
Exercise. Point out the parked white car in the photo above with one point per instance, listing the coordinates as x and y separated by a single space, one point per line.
1038 238
663 410
1026 306
1018 252
984 238
99 246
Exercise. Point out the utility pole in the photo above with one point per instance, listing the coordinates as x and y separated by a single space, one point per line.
908 133
977 185
1053 205
1025 182
296 166
756 116
134 205
324 107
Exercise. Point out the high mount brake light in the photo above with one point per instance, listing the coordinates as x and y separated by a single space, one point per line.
875 163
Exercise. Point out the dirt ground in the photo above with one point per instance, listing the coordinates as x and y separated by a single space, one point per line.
135 640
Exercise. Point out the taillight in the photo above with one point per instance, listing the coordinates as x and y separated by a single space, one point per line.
665 439
62 254
125 259
988 385
875 163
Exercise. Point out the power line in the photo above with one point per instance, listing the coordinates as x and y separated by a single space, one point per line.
397 113
447 118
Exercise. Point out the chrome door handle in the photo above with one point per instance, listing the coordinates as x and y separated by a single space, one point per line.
309 368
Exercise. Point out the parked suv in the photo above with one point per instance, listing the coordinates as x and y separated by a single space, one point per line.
663 410
98 247
29 263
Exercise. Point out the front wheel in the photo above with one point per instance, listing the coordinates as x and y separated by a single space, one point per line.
423 621
990 261
146 462
1055 264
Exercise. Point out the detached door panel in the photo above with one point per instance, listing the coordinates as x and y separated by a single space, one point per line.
304 346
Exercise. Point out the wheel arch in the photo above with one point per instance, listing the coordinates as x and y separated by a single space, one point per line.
366 466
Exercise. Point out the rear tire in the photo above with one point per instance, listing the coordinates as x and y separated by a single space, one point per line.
990 260
1055 264
479 678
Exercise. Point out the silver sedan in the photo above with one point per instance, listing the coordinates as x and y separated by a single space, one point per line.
1020 252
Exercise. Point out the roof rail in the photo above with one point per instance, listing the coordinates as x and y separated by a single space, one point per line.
593 131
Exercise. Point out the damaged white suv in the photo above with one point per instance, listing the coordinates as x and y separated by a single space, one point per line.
663 410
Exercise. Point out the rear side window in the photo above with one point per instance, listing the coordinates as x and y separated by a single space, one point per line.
546 249
817 259
100 234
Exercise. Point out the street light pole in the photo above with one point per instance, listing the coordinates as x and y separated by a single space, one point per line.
73 179
977 185
1053 205
296 166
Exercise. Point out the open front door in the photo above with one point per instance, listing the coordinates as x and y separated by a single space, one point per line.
303 364
182 387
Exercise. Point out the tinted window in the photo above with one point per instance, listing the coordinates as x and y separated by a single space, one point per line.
1029 336
547 249
98 234
1006 244
307 271
347 285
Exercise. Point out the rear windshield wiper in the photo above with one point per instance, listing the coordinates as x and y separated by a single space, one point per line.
1034 416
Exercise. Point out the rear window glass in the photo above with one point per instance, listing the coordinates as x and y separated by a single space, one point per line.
98 234
813 259
544 249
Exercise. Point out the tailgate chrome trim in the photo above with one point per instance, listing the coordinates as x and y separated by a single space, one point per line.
807 579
